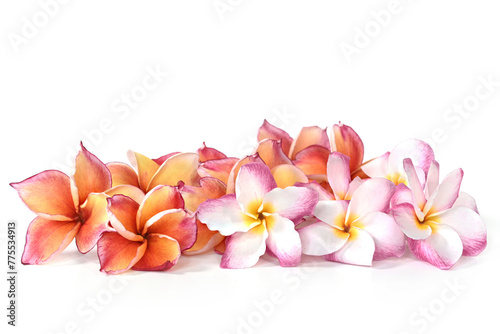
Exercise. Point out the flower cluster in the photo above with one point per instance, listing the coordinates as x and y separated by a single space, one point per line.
313 194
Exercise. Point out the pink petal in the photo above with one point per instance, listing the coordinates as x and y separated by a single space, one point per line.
207 153
283 240
414 183
378 167
469 226
130 191
243 249
405 216
313 160
220 169
418 151
345 140
446 194
373 195
332 213
432 181
231 180
388 237
269 131
224 215
402 195
308 136
122 212
292 203
174 223
353 186
358 249
94 222
253 182
321 239
339 174
117 254
467 201
313 185
163 158
442 248
271 152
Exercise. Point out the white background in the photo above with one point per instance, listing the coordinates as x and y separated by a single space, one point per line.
261 59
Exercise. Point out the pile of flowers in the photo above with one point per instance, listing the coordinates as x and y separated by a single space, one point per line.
313 194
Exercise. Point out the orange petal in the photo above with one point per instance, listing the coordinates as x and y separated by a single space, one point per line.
162 253
309 136
122 213
46 239
288 175
48 194
146 168
181 167
205 240
220 248
271 152
219 169
94 222
162 159
345 140
210 188
236 169
130 191
117 254
208 153
161 198
122 174
269 131
175 223
312 160
91 175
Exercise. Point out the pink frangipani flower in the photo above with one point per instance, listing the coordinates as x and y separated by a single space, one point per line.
258 217
441 224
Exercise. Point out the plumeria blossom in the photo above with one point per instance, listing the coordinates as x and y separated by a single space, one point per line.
356 231
258 217
148 236
441 223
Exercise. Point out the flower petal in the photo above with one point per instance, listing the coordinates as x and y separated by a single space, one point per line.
283 240
414 184
418 151
253 182
323 194
373 195
467 201
269 131
207 153
469 226
162 159
46 238
94 222
271 152
145 167
332 213
308 136
378 167
181 167
210 188
405 216
353 186
292 203
313 160
345 140
205 240
159 199
358 249
288 175
130 191
91 175
388 237
402 195
117 254
339 174
48 194
231 180
432 181
122 213
224 215
243 249
122 174
321 239
162 253
220 169
175 223
446 194
442 248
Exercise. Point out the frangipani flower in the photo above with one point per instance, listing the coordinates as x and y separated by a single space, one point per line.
357 231
147 236
390 165
257 217
438 230
67 208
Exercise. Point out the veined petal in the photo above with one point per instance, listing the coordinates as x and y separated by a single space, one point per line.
205 240
321 239
117 254
207 153
243 249
378 167
219 169
288 175
358 249
145 167
175 223
122 174
181 167
231 180
91 175
339 174
253 182
405 216
162 253
469 226
122 212
269 131
159 199
442 248
446 194
418 151
313 160
332 213
308 136
45 239
345 140
467 201
94 222
210 188
414 183
402 195
432 181
130 191
313 185
283 240
224 215
388 237
373 195
292 203
48 194
271 152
